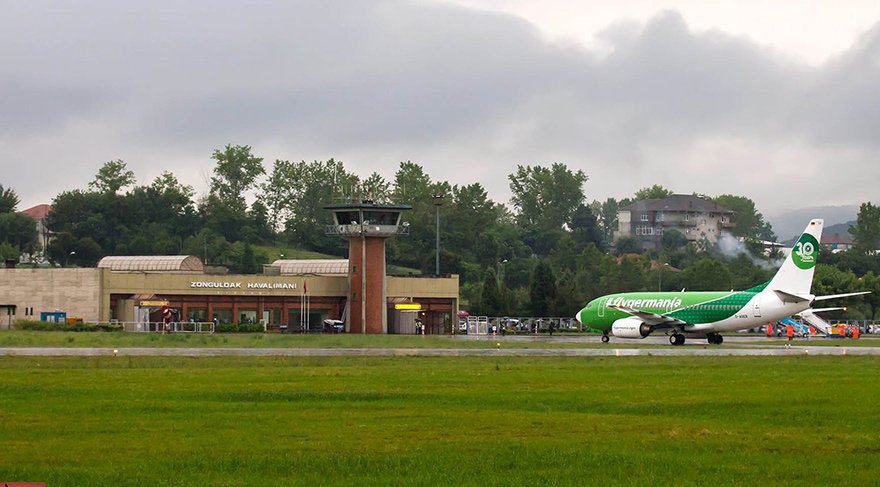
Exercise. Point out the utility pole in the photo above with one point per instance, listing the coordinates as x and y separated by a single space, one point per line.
438 202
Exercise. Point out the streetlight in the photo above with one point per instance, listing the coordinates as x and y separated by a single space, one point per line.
500 274
438 202
67 257
660 275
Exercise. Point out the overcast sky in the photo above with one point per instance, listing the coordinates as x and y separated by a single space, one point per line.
778 101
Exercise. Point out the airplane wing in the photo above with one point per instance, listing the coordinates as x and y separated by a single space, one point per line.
653 319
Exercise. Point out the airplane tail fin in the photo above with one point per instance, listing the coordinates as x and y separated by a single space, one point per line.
795 278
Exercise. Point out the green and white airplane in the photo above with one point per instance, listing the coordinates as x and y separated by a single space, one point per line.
707 314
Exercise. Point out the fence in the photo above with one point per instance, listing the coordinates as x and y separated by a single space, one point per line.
175 327
483 325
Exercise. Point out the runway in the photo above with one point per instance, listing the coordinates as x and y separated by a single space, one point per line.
611 351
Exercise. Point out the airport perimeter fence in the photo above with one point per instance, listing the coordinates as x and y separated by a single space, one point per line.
159 326
486 325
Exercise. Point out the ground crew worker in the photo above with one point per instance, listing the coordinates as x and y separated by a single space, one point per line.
856 333
769 330
789 332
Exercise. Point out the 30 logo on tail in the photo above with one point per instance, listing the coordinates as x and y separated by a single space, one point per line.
805 251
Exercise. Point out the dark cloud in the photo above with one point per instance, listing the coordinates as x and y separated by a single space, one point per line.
469 94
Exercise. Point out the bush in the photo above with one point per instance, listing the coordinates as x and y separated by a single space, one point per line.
34 325
240 328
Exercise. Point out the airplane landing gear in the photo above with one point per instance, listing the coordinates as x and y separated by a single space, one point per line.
676 339
714 339
605 338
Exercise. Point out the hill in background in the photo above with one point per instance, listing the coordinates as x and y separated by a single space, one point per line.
789 225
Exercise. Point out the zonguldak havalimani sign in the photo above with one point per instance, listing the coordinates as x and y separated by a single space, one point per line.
240 285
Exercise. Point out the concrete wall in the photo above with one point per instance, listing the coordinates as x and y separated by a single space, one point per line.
435 287
74 290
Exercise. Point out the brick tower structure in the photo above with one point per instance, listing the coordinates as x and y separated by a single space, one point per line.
366 225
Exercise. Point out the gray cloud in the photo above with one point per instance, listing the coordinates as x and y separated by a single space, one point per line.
469 94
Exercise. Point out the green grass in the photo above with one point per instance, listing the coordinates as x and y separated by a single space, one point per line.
20 338
24 338
440 421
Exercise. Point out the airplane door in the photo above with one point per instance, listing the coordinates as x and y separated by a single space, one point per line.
757 306
601 310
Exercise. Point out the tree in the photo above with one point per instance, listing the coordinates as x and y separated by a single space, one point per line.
607 216
628 245
469 226
585 228
412 186
376 189
235 172
866 231
546 198
673 239
544 201
707 275
113 176
871 282
168 185
542 290
19 230
490 295
749 221
654 192
9 251
319 182
280 192
8 200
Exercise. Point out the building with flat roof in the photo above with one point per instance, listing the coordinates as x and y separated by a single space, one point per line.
694 217
133 290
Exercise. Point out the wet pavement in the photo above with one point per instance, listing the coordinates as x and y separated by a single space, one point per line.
497 347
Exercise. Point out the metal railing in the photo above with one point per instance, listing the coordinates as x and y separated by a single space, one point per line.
483 325
159 326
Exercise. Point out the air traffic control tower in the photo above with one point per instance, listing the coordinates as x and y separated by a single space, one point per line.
366 225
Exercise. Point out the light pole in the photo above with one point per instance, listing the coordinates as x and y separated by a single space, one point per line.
660 276
500 274
67 257
438 202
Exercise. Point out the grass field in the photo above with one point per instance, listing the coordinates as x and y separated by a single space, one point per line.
18 338
440 421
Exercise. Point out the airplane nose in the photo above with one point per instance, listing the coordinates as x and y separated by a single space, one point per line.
578 316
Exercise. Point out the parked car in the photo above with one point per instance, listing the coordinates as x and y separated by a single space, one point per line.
334 326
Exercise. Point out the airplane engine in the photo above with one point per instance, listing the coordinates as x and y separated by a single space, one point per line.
630 328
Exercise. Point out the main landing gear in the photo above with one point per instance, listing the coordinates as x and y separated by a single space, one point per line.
605 338
676 339
714 339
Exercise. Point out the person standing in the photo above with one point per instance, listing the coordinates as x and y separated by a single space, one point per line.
789 332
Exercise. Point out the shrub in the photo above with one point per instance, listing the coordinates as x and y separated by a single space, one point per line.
35 325
240 328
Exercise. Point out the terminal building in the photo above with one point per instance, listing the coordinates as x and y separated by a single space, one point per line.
289 294
133 289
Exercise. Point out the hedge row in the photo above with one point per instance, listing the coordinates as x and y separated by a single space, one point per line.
240 328
51 326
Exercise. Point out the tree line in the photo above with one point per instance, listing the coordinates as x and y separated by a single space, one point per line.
546 253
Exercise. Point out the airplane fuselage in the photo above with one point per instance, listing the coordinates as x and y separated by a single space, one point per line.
701 312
